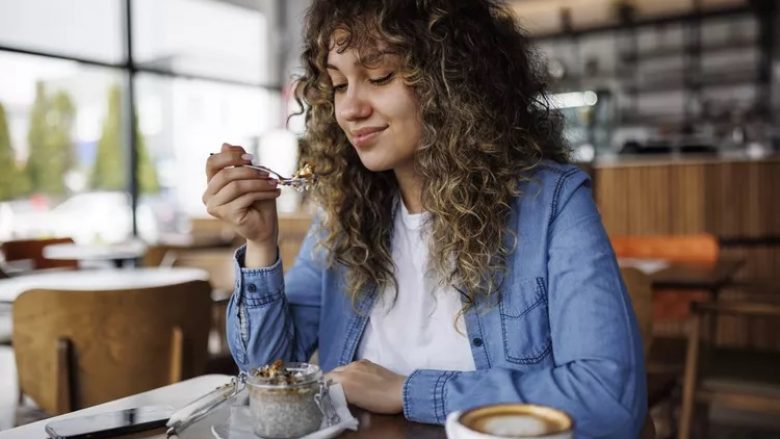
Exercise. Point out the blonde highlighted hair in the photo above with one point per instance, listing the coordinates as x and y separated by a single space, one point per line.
486 123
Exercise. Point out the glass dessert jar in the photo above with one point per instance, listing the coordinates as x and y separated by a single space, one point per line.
282 399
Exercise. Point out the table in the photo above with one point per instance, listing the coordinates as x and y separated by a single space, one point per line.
679 276
118 254
668 278
176 395
113 279
179 394
697 277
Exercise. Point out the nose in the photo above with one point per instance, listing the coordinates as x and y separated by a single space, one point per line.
353 105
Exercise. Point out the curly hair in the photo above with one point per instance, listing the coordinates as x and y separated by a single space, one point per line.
485 120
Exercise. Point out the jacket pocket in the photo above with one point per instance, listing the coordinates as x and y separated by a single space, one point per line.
525 322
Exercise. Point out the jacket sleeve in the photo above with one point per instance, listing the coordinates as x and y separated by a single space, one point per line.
274 316
598 375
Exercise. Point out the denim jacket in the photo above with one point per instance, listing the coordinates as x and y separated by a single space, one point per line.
560 331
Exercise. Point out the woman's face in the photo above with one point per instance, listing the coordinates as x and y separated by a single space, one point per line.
378 112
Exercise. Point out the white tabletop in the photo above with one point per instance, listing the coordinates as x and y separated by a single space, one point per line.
119 251
112 279
176 395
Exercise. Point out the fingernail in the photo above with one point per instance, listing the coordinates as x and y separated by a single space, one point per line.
248 157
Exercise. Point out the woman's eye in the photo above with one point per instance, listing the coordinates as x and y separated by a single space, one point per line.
338 88
384 79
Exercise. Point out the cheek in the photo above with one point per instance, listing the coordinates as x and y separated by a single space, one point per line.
337 114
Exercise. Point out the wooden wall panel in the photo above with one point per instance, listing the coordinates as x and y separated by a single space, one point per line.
728 199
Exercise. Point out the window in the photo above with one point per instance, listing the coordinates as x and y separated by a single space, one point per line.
88 29
201 37
182 121
203 73
58 131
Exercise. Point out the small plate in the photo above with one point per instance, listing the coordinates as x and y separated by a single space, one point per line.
238 425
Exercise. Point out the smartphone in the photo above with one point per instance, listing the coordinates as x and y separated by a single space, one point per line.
110 424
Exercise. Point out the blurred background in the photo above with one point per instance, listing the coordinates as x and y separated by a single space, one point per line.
109 108
632 77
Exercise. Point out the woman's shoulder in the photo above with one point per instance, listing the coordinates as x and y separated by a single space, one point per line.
553 178
552 172
549 185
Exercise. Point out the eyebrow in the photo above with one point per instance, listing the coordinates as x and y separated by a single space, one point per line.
368 60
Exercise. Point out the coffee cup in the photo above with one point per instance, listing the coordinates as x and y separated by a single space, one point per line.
510 421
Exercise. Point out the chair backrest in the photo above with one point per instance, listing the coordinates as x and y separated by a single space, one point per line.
33 249
156 255
211 228
697 249
217 262
292 231
75 349
640 290
671 310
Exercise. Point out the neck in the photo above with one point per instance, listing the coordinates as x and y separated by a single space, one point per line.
410 186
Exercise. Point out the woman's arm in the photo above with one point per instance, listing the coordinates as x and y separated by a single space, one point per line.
272 316
598 376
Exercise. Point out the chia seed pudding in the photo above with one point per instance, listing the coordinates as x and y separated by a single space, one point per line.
281 399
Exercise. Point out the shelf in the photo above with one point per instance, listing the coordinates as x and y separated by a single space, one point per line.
654 21
708 80
655 54
668 83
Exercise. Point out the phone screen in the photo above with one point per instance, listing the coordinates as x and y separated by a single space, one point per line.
109 424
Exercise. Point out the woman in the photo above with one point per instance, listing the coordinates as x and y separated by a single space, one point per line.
457 260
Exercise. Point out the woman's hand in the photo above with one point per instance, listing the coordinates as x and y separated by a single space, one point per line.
370 386
246 199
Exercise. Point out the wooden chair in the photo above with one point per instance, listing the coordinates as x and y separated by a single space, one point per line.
211 229
32 249
75 349
292 231
660 385
736 378
219 264
157 255
641 292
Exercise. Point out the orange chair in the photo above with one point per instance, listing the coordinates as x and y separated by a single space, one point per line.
32 249
696 249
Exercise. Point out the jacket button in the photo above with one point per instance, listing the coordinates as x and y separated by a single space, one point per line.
252 288
477 341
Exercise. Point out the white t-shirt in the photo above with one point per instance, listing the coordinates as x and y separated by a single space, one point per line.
418 331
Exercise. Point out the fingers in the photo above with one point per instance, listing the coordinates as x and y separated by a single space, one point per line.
228 147
229 175
237 188
229 156
233 208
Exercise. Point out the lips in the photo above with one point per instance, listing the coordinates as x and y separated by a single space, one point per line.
365 136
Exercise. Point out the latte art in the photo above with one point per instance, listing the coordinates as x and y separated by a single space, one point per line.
511 421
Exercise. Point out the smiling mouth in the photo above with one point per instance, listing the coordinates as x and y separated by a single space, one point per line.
363 140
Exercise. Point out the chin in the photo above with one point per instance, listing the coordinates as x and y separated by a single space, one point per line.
374 164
